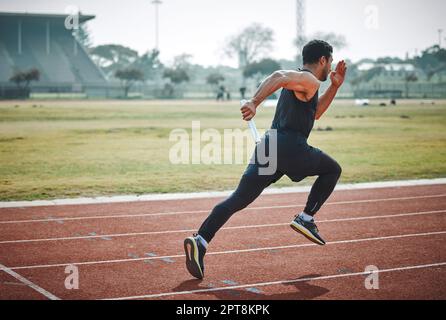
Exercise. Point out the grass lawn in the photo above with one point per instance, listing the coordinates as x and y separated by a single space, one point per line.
55 148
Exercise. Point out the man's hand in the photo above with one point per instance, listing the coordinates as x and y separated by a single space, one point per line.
248 110
337 77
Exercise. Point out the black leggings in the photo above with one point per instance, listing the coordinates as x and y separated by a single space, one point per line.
314 163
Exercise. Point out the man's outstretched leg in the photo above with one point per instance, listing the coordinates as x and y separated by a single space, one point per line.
250 187
329 172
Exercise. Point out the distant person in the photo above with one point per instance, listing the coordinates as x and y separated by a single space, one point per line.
228 96
298 107
393 102
242 92
221 93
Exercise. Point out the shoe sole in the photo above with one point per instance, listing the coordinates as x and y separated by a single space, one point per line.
192 262
305 232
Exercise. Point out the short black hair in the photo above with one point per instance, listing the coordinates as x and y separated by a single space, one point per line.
314 50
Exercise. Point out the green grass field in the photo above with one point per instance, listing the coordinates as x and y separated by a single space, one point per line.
54 149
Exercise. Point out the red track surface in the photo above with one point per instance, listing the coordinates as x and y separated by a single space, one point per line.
135 250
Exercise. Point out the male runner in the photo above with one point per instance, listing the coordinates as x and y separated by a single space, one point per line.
297 108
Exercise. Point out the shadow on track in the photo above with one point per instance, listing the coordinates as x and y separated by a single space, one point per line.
305 291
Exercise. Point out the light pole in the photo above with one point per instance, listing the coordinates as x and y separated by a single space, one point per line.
156 3
300 26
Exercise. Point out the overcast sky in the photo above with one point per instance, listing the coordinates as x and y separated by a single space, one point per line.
372 28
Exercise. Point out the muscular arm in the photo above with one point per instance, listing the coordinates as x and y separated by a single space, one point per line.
337 79
325 100
292 80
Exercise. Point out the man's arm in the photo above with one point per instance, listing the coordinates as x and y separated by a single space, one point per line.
325 100
337 78
292 80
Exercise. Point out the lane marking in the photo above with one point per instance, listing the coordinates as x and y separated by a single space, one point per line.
263 284
116 235
27 282
230 251
216 194
207 211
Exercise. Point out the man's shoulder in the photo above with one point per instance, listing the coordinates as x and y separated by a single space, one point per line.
299 81
311 83
310 79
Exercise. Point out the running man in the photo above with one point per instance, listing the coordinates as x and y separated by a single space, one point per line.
298 106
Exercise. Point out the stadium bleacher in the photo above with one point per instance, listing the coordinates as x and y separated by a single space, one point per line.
41 41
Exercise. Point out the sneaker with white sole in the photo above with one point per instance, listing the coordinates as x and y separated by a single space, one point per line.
195 252
308 229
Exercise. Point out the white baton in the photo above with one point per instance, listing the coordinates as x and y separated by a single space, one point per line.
252 126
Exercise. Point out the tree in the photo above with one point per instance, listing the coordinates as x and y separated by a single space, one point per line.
128 77
257 70
176 75
251 43
410 77
149 63
353 73
431 61
183 61
25 77
113 57
180 70
214 78
261 68
390 60
82 35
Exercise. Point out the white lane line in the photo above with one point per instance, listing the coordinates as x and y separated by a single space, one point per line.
230 251
28 283
118 216
115 235
214 194
263 284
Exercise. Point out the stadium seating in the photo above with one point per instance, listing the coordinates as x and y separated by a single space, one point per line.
66 66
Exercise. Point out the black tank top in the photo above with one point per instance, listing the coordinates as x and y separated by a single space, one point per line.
293 115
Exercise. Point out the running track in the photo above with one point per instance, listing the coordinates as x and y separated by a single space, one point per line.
134 250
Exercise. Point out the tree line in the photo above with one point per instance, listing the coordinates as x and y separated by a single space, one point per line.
250 46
